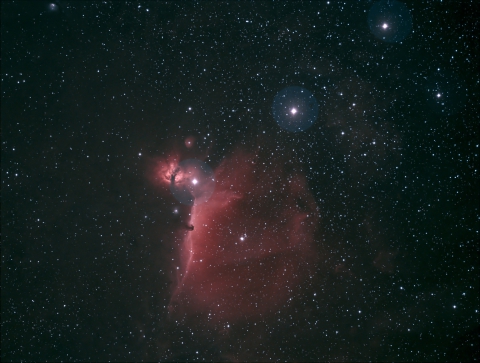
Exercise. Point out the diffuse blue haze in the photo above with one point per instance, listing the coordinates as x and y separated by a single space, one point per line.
390 21
192 182
295 109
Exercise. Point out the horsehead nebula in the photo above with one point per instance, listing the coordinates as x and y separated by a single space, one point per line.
249 248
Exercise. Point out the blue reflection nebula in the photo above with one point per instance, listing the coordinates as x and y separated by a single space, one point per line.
295 109
192 182
390 20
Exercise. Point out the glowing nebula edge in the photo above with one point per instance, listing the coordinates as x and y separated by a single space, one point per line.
250 247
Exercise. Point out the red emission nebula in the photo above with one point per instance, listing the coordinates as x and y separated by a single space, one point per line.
252 247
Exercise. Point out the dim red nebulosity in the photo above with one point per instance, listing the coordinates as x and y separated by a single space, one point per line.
250 247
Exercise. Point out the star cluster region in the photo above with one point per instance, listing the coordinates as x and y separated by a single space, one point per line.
186 181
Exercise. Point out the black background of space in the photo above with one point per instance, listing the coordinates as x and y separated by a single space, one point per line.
93 90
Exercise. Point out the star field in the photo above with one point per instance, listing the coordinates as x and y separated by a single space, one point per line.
233 181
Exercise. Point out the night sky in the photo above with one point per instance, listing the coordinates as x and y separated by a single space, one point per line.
240 181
